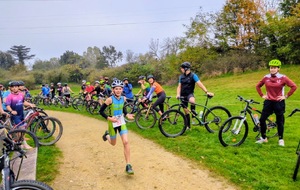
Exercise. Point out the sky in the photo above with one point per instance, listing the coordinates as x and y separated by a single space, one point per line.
52 27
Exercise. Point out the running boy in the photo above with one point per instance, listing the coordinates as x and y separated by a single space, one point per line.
116 120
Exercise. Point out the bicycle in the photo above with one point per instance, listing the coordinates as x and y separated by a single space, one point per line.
235 129
146 117
173 122
9 179
47 129
297 150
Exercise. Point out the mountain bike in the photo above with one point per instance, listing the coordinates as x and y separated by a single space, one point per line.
9 179
146 117
297 150
173 122
234 130
47 129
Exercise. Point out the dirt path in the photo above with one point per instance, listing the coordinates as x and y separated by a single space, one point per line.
91 164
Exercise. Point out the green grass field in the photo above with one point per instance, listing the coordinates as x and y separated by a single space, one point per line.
250 166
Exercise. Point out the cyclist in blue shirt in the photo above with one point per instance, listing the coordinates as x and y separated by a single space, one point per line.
186 86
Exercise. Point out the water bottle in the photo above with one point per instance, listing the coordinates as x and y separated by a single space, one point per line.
256 119
200 114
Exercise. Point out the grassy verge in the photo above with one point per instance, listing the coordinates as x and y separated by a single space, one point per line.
250 166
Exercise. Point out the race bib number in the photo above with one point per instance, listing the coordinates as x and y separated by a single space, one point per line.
121 121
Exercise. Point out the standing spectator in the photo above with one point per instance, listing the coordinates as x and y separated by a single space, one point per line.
116 122
186 87
274 99
45 91
127 90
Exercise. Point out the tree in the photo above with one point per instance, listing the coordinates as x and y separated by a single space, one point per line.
111 55
286 6
6 60
91 56
69 57
21 53
238 23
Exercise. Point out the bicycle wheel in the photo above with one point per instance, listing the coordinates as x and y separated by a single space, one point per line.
129 109
25 138
30 184
145 118
214 117
172 123
296 167
48 130
94 108
233 132
80 104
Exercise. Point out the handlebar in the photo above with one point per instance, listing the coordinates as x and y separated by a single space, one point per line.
294 111
251 101
12 146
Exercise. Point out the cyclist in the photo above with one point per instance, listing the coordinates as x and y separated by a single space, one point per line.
52 90
127 90
66 91
59 89
145 86
83 86
159 91
274 99
88 91
24 90
186 87
116 120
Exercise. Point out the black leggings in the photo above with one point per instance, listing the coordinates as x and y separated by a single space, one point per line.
160 102
271 107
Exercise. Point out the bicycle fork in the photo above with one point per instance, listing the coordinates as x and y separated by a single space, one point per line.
237 126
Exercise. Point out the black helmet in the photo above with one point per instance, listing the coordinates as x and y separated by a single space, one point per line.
117 83
66 84
142 77
150 76
13 83
185 65
21 83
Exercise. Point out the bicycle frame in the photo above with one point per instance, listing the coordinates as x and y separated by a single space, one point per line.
187 110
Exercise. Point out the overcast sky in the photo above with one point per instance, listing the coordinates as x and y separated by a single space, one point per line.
51 27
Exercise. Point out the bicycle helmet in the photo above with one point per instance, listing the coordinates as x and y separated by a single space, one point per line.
150 76
13 83
102 82
117 83
83 81
125 79
66 84
275 63
59 83
97 82
142 77
185 65
21 83
88 83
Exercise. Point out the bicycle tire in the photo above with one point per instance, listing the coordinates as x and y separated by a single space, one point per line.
296 167
94 108
80 104
214 117
129 107
48 131
172 123
23 136
229 136
176 107
30 184
145 119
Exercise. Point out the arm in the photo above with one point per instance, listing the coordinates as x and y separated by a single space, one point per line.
178 90
201 85
292 85
258 88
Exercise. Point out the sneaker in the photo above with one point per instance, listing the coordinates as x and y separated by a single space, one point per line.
129 169
104 136
281 142
262 140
